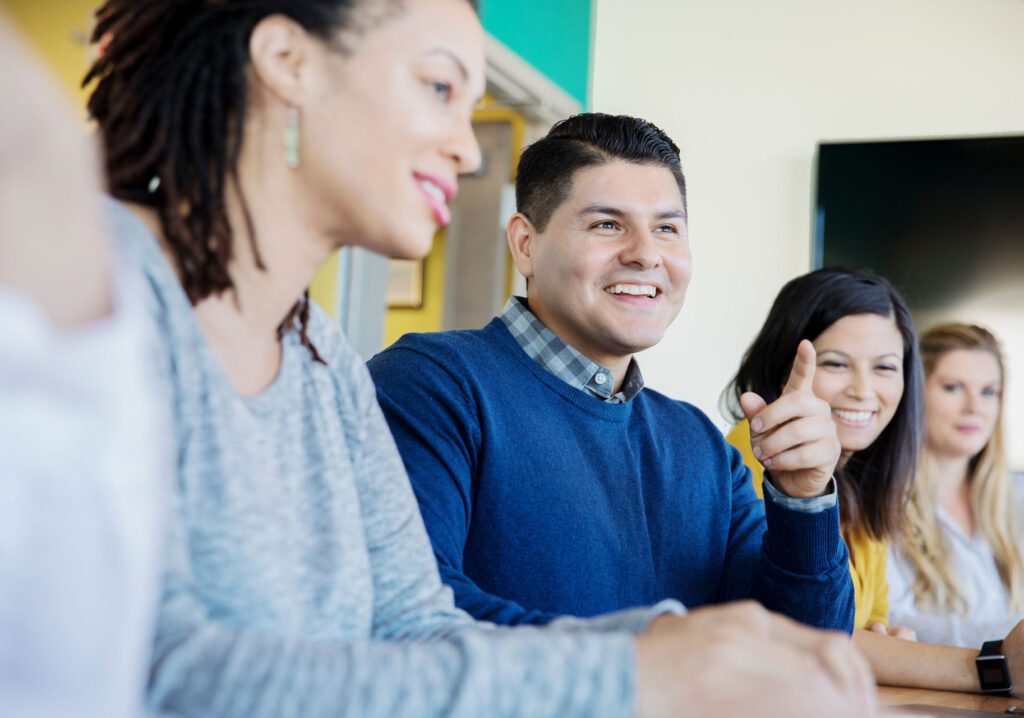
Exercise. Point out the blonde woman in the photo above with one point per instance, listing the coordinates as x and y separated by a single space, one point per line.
955 578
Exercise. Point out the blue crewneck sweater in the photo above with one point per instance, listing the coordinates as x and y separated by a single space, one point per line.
541 500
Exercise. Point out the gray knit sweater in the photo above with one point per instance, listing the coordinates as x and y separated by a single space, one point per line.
299 579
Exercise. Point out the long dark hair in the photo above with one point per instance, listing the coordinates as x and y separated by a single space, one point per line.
874 483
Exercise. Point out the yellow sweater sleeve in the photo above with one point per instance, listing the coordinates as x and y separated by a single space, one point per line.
739 437
870 586
880 609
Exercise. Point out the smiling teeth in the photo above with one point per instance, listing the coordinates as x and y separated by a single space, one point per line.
433 190
637 290
854 417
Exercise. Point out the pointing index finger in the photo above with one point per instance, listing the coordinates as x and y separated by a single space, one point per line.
801 377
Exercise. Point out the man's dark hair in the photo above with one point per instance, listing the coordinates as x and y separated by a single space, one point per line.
547 167
874 483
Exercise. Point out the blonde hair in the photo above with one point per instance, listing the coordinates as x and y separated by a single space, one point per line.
935 585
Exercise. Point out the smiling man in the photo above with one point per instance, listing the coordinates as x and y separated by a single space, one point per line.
550 480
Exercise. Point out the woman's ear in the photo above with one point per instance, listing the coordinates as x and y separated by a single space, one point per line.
521 233
280 51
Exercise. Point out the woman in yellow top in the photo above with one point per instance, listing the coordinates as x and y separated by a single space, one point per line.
868 370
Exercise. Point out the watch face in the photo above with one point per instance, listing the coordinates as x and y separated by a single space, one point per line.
992 673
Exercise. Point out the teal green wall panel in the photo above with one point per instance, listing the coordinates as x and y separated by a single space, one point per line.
552 35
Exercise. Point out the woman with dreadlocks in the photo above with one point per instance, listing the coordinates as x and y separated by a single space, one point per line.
246 140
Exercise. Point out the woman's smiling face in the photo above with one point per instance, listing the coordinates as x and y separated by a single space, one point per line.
388 128
860 375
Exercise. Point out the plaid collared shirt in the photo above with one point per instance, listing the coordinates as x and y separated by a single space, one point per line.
544 347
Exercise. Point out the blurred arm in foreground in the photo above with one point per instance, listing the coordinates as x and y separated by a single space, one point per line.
79 465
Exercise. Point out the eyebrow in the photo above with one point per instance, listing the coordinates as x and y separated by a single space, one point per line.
844 354
450 55
672 214
946 379
616 212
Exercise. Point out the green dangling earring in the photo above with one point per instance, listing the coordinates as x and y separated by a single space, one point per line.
291 138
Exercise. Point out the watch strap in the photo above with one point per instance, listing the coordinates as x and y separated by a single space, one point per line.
992 648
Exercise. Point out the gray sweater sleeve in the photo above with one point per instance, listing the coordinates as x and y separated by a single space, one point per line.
427 657
204 668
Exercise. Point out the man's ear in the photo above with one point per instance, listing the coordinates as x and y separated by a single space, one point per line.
521 234
280 52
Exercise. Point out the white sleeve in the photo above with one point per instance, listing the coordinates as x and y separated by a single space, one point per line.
930 627
81 441
942 627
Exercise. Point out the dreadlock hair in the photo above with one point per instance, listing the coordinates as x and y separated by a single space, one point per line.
170 99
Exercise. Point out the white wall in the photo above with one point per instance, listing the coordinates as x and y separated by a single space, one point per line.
747 88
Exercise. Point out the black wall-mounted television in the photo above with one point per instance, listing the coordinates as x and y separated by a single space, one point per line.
943 219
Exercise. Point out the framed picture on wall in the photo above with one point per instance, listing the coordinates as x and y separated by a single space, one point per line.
405 283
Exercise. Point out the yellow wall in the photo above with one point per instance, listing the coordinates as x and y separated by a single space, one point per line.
429 317
59 30
324 289
492 111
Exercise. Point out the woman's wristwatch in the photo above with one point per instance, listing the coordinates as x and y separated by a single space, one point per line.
993 671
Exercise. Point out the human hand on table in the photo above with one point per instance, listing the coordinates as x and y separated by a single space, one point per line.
739 659
794 436
907 634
